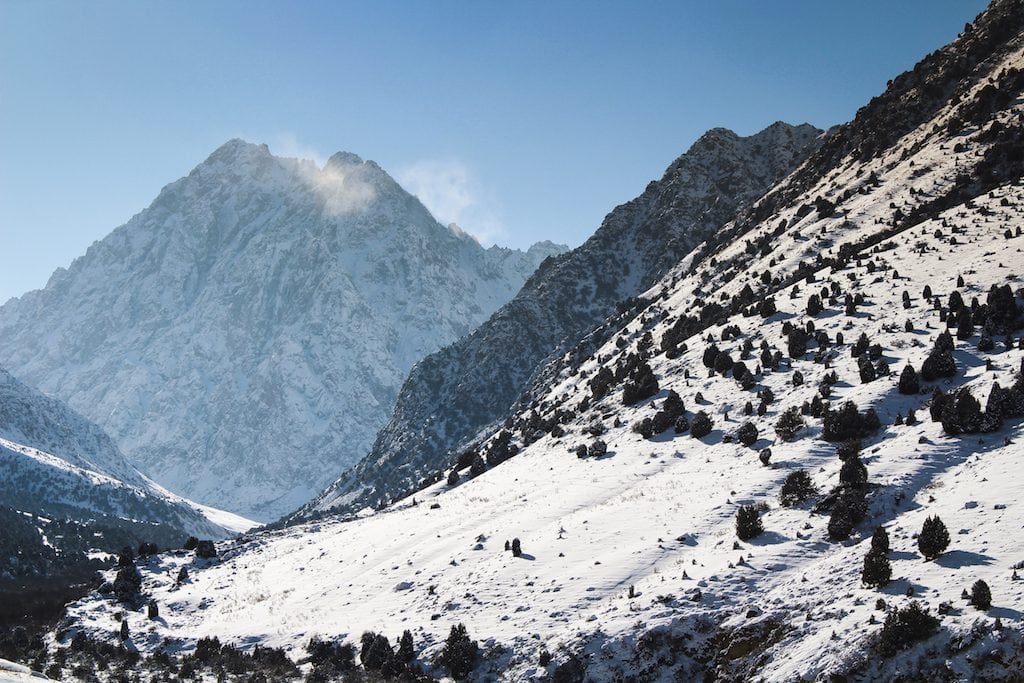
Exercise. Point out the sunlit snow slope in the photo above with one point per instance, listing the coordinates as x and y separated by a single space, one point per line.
631 562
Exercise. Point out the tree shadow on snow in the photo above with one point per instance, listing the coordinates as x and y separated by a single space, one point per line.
1006 613
768 538
955 559
526 556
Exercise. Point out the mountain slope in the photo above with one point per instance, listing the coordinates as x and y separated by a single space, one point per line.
631 567
453 393
56 466
244 337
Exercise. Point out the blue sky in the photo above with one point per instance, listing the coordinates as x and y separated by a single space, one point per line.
520 120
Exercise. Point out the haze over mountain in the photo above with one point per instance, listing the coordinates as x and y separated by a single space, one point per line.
456 391
243 338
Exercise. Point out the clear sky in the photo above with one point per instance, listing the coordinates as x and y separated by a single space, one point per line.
519 120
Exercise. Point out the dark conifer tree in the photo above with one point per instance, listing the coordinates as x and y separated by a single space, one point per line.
933 539
748 523
909 383
880 541
981 595
877 570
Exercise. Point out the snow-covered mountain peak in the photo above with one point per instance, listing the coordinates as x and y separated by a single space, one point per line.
243 337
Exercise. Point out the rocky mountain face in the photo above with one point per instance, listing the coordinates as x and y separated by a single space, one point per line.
455 392
244 337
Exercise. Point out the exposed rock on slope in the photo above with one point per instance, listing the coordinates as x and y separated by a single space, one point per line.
455 392
244 337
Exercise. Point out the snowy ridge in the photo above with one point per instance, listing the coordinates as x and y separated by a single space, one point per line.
244 337
56 463
452 394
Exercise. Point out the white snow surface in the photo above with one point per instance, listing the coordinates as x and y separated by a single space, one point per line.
658 515
16 673
244 337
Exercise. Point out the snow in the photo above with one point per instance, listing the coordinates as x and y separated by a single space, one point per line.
641 541
655 515
16 673
244 337
55 461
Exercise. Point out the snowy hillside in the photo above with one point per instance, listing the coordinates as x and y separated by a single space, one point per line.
653 486
244 337
454 393
55 463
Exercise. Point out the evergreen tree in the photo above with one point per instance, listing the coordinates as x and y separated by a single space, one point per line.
847 512
981 595
641 385
701 425
789 424
406 653
748 523
904 627
880 541
909 383
853 472
877 570
459 653
933 539
813 305
747 433
797 488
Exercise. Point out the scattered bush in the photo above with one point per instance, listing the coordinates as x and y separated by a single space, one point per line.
701 425
797 488
981 596
904 627
747 434
748 523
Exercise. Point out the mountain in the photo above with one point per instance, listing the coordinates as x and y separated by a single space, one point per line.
244 337
453 393
62 471
700 496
